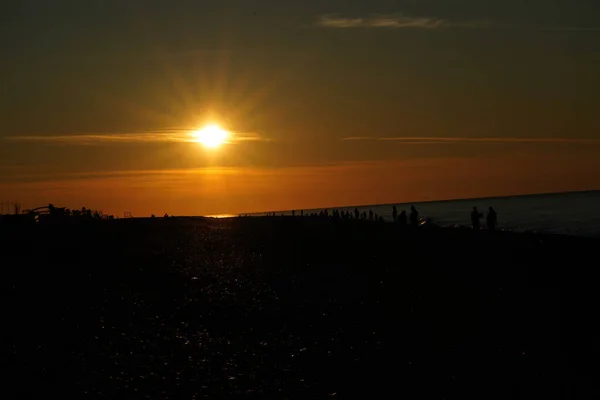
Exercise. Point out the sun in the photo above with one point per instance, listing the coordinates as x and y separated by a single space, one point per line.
211 136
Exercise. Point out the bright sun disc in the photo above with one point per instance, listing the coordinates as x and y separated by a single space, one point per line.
211 136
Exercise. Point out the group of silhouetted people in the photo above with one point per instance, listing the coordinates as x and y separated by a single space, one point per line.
491 219
402 219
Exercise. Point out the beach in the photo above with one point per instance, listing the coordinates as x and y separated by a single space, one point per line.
285 307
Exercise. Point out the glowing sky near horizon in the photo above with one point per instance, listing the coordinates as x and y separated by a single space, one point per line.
329 103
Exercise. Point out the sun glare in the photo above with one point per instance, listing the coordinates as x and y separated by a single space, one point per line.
211 136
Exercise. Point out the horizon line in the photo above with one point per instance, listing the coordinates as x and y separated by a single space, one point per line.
428 201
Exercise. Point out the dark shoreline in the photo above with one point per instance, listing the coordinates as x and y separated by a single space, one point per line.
421 202
298 308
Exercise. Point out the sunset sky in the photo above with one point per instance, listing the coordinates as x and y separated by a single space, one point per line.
329 103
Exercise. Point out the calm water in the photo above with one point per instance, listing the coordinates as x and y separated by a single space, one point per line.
569 213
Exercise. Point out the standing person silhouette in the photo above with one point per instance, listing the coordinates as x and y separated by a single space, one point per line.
395 213
403 219
492 219
414 216
475 216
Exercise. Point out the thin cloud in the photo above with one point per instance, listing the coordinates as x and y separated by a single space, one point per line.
164 136
395 21
571 29
452 140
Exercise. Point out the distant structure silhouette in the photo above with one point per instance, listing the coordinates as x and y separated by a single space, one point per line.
52 214
10 207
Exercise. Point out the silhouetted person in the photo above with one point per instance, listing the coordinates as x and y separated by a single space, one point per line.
356 214
371 215
414 216
492 219
403 218
475 216
395 213
293 213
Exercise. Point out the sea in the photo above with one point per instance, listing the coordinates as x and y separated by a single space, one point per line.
572 213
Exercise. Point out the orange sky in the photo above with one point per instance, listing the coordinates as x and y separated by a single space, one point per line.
329 104
235 190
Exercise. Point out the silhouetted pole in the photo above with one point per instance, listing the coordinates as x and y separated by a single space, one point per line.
7 207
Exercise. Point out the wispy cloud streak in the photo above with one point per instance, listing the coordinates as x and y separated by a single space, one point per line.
395 21
164 136
453 140
571 29
402 21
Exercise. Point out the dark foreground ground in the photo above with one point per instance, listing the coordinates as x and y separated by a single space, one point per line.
290 308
